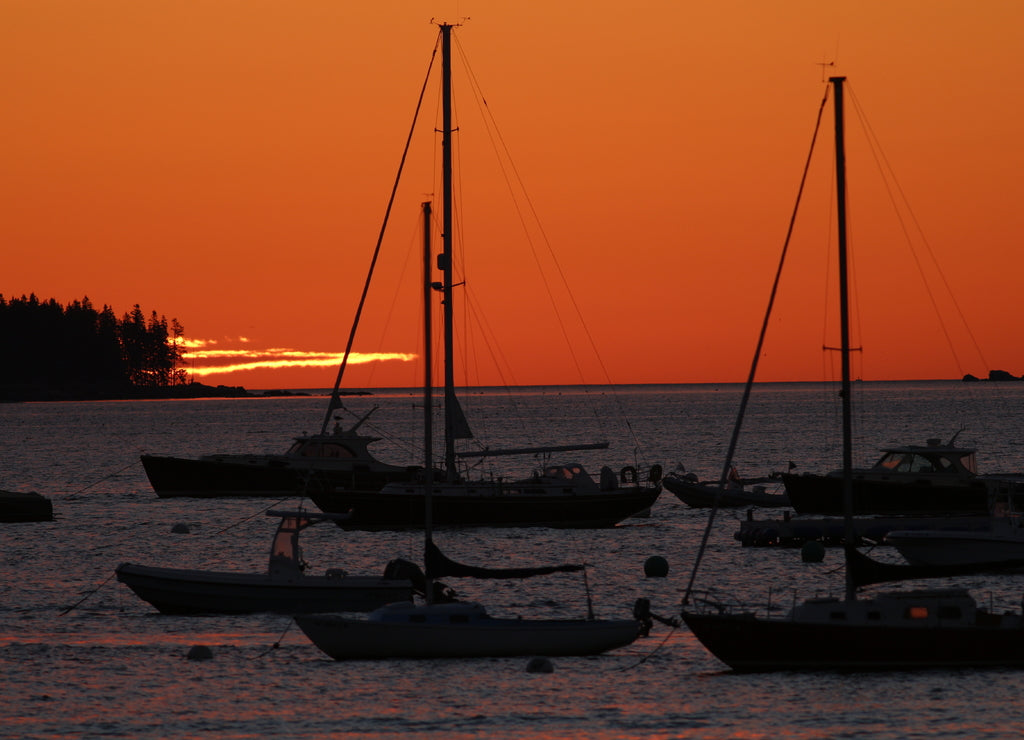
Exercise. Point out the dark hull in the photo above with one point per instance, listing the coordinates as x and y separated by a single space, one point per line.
374 510
748 644
823 494
272 477
25 507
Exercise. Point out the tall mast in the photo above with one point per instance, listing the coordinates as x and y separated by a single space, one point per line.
428 394
844 326
445 259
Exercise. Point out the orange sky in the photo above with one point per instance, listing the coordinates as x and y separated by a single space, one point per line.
228 163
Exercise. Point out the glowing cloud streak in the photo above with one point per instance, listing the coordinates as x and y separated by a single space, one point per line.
274 358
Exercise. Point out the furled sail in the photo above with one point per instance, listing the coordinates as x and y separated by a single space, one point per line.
460 426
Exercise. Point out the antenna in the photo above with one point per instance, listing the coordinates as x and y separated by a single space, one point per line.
824 66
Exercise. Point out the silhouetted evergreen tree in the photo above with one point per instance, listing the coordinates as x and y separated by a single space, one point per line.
49 351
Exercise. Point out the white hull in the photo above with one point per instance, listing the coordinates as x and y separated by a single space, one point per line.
459 631
180 591
930 547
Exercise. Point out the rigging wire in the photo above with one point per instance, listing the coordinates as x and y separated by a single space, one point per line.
380 239
888 175
514 183
734 440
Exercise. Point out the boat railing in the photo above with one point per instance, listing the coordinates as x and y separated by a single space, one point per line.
711 601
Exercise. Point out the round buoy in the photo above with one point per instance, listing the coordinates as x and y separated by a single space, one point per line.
655 567
180 528
812 552
540 665
200 652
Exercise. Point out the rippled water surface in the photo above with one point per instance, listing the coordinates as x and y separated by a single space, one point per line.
81 656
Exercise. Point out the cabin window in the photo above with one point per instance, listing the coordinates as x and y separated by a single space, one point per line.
837 616
335 450
892 461
558 471
323 449
949 612
874 616
459 618
916 612
921 464
418 618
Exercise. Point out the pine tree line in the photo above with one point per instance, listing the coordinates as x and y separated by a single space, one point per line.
50 351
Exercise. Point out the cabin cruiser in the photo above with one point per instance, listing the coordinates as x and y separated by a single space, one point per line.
929 479
337 459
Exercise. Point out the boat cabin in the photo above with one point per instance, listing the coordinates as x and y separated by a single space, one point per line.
932 458
285 553
917 608
320 447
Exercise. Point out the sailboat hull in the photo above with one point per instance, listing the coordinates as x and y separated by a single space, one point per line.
352 639
487 508
750 644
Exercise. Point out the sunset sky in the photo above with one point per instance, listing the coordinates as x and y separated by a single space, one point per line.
228 163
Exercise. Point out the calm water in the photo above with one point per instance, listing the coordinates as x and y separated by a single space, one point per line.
81 656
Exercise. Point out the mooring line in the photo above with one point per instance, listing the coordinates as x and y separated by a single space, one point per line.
277 643
96 483
79 602
651 654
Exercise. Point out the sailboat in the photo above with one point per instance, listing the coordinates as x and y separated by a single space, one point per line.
442 627
919 628
561 495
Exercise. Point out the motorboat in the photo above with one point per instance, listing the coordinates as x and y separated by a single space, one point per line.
286 587
734 493
999 546
337 458
1002 545
934 479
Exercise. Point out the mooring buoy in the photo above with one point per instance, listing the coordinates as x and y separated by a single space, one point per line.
540 665
656 567
199 652
812 551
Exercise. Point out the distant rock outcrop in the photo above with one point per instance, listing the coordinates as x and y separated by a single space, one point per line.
1001 375
992 375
